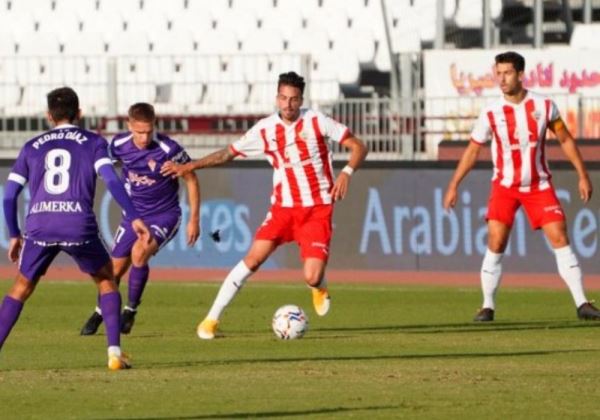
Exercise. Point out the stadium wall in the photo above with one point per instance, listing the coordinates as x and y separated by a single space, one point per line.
392 220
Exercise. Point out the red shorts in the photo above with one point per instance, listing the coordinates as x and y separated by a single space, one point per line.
541 207
310 227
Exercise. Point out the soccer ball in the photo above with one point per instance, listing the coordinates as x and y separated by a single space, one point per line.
290 322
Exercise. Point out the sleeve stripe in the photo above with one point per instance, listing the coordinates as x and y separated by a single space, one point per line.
19 179
101 162
347 134
235 151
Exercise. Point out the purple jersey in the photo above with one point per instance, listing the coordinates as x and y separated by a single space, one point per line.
151 192
60 167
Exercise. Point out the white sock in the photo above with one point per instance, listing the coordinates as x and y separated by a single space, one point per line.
491 274
98 310
569 270
114 351
230 287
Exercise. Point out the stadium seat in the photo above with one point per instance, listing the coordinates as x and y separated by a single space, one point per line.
18 23
263 41
82 8
153 24
10 90
218 42
44 7
8 44
171 8
105 22
37 43
125 8
128 43
585 36
64 25
85 43
469 13
288 26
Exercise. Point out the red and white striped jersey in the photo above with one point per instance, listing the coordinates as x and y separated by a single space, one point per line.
518 133
299 154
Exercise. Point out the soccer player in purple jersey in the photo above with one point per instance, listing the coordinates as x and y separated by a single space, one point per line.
142 151
61 166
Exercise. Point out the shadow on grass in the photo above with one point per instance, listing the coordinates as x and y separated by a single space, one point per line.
425 356
468 327
259 414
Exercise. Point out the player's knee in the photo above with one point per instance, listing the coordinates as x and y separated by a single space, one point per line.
253 263
313 277
22 289
141 253
558 242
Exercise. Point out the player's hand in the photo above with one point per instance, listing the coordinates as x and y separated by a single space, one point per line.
175 170
193 232
14 248
450 198
141 230
585 189
340 188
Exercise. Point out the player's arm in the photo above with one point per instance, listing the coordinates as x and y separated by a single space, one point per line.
466 163
11 195
214 159
571 151
358 153
193 193
117 190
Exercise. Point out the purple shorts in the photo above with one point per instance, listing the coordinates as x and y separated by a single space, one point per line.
163 228
37 256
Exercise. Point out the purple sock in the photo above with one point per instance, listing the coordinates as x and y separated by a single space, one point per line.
9 313
138 276
110 304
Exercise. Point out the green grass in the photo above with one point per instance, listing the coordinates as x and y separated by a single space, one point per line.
383 352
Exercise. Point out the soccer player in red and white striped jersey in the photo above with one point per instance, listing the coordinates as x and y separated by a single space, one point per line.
517 123
295 141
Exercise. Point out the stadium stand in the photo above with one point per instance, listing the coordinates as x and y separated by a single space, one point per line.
196 58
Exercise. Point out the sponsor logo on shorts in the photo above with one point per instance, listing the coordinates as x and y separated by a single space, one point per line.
553 209
321 245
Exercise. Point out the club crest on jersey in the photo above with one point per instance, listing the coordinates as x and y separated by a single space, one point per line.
536 115
152 164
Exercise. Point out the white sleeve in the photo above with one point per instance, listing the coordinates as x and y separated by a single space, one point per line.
553 112
333 130
250 144
482 131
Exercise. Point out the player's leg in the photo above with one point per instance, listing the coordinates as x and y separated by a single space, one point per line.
491 268
12 304
569 268
138 277
120 267
544 211
163 228
110 304
313 235
124 239
502 206
233 283
93 259
274 230
33 263
314 275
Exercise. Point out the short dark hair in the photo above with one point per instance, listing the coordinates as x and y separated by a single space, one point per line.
291 79
63 104
516 59
142 111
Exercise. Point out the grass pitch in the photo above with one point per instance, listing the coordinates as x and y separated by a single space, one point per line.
383 352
